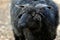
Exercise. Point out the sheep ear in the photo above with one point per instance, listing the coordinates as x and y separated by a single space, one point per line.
41 5
18 6
49 7
22 6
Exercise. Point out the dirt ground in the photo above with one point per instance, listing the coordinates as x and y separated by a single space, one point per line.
5 26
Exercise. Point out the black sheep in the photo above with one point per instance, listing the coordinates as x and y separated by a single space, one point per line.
34 19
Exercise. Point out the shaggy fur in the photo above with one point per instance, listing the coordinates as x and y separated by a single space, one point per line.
34 19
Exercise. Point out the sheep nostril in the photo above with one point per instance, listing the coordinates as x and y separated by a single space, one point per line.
35 0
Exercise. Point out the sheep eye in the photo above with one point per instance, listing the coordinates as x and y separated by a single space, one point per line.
19 6
19 15
22 6
35 0
49 7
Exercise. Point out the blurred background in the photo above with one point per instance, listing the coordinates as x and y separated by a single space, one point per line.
5 26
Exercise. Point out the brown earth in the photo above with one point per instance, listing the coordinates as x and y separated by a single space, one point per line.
5 26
